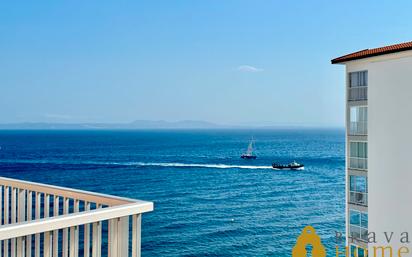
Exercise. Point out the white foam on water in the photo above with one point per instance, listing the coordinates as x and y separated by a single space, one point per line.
159 164
196 165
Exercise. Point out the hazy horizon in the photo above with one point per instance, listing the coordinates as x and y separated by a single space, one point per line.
226 62
153 124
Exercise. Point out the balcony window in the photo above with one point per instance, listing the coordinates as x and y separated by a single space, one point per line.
358 227
357 251
358 79
353 250
358 86
358 155
358 120
358 190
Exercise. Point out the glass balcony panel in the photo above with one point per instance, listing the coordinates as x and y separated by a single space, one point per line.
358 198
358 128
358 93
358 163
355 232
354 217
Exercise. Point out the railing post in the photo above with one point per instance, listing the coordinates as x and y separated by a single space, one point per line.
13 218
38 212
86 233
47 235
56 232
6 219
74 234
65 239
20 218
96 243
74 252
119 237
112 247
99 232
136 235
124 236
29 217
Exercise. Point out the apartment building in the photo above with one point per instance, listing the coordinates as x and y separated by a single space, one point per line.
378 145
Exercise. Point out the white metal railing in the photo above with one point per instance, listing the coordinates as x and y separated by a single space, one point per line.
358 93
359 198
358 128
358 163
47 221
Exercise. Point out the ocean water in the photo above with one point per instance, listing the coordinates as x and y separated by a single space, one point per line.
208 201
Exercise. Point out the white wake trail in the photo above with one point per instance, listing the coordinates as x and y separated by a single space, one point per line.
196 165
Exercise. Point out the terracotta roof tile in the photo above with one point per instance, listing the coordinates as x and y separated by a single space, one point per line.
373 52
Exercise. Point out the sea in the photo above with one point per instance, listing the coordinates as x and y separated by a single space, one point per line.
208 201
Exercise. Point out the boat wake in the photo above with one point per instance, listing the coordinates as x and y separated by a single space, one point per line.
196 165
139 164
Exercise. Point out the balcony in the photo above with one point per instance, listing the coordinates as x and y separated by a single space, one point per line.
358 163
358 233
358 198
358 93
48 221
358 128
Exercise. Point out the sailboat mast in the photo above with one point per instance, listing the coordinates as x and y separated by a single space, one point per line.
250 147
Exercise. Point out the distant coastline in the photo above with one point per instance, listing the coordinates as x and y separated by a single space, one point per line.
149 125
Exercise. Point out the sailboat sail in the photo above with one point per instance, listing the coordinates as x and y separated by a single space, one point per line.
249 153
250 148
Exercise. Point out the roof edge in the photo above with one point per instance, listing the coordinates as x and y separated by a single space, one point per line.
366 53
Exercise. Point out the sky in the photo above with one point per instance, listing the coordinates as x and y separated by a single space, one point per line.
229 62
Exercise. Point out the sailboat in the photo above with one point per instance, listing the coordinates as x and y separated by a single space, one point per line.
249 153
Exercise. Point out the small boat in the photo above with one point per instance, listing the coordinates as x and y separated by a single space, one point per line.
249 153
291 166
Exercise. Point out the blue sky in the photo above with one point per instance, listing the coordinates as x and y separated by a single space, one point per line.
230 62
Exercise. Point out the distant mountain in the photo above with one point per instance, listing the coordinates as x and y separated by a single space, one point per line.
170 125
149 124
138 124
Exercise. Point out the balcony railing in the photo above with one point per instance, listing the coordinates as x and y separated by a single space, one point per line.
358 198
358 128
358 93
48 221
358 233
358 163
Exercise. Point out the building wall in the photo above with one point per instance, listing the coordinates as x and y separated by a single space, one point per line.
389 144
353 67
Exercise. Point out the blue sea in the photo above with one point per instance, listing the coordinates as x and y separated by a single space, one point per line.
208 201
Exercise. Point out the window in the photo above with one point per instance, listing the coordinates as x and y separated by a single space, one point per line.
358 225
358 86
358 190
358 120
354 218
359 149
358 184
357 251
358 79
358 155
353 249
361 252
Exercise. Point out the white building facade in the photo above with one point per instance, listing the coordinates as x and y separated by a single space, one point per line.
378 149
